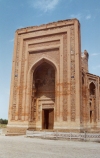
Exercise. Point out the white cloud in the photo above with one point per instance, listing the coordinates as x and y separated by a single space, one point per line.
11 40
44 5
96 67
97 10
78 16
95 54
88 17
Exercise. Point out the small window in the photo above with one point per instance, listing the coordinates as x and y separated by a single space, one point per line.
92 88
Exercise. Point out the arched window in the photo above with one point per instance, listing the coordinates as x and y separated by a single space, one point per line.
82 78
92 88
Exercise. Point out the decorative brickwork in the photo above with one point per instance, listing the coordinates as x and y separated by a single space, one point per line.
21 82
73 93
15 79
46 88
65 77
44 44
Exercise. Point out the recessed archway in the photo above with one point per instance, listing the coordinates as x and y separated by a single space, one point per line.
44 81
92 91
43 94
92 88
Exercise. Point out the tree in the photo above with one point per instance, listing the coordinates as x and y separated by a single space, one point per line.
3 121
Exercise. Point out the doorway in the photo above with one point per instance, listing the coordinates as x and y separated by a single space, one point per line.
47 118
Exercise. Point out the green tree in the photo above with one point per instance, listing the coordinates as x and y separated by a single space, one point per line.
3 121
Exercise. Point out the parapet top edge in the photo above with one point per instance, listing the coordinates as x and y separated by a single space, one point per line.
44 26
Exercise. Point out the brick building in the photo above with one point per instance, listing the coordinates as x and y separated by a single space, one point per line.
51 87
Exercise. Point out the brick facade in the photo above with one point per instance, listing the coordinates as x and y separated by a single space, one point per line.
50 86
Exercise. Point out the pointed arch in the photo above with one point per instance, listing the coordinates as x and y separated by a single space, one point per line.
31 70
92 88
40 61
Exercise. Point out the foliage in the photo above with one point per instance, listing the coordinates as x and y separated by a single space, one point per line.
3 121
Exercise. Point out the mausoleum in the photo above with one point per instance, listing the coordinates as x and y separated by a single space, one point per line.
51 87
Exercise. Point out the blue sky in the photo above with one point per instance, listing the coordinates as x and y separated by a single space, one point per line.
24 13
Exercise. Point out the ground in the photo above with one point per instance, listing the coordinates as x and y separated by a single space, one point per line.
22 147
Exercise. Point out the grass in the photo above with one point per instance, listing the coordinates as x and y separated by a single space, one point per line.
3 125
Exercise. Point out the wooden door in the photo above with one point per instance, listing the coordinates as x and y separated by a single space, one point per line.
51 119
42 119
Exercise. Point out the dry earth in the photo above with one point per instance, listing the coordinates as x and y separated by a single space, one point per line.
22 147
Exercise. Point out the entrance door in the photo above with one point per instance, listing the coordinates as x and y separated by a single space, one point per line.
47 118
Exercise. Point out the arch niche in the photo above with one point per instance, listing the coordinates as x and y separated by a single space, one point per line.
43 99
92 102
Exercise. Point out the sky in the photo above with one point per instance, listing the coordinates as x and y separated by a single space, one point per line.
15 14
